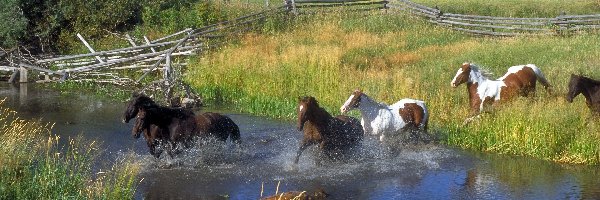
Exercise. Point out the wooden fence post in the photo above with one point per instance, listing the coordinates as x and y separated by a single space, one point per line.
294 7
22 74
89 47
22 93
148 43
130 40
438 16
13 76
563 25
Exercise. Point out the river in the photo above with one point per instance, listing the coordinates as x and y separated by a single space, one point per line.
264 160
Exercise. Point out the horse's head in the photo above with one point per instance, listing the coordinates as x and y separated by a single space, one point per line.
137 101
352 102
574 87
305 107
462 75
139 125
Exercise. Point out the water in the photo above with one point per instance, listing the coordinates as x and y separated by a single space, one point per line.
430 171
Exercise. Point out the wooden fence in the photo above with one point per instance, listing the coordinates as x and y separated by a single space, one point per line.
165 56
502 26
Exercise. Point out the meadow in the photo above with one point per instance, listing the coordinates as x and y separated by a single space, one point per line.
395 56
35 165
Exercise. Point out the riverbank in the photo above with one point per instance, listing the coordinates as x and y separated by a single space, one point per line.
33 164
391 57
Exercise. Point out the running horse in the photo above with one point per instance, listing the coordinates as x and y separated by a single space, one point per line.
336 136
173 126
589 88
382 120
518 81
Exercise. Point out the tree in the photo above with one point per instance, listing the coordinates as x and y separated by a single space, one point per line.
13 23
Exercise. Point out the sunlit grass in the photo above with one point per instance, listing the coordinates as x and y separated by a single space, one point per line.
404 57
34 166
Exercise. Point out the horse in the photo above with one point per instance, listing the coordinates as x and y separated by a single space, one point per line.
590 89
218 126
382 120
519 80
176 125
153 135
336 136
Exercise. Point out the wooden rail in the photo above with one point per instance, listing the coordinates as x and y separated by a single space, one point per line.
164 55
501 26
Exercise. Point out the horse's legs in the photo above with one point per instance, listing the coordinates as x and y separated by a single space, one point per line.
152 149
303 146
171 146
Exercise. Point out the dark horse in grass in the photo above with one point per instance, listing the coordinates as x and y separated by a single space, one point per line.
165 125
335 136
590 89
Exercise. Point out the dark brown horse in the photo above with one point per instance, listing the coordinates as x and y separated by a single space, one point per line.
176 125
335 136
153 135
215 125
589 88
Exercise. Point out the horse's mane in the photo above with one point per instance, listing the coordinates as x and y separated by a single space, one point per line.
145 101
484 72
593 81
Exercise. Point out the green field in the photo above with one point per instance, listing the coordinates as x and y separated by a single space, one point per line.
393 56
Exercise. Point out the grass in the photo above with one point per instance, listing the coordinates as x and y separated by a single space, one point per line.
392 57
106 91
515 8
34 166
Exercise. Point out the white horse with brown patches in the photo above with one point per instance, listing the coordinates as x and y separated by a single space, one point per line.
382 120
518 81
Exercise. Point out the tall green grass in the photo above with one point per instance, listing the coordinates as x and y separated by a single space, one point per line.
391 57
34 166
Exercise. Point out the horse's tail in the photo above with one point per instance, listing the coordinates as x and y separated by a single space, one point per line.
425 123
540 77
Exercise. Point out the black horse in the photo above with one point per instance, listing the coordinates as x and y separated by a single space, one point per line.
590 89
176 125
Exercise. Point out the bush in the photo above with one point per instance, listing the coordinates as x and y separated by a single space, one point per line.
12 23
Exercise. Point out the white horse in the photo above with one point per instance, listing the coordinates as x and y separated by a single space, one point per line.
382 120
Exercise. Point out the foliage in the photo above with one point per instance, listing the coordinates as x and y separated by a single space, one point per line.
409 58
12 23
53 25
35 165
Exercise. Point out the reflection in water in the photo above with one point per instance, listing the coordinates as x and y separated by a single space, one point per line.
266 155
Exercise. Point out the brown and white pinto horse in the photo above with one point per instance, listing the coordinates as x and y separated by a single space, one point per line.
589 88
336 136
518 81
382 120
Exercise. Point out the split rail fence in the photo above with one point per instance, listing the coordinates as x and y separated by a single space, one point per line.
502 26
166 56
